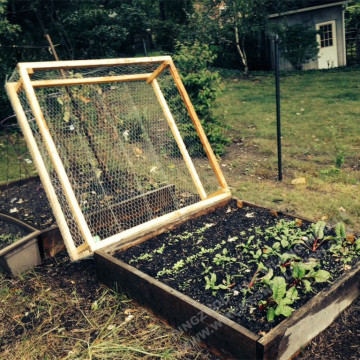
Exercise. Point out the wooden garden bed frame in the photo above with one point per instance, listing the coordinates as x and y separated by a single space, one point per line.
26 70
282 342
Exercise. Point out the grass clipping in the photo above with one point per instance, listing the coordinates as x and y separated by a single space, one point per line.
52 315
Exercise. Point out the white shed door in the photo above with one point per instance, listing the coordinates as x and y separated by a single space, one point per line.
328 57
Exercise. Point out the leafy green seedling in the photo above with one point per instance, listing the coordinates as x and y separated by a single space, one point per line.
340 231
357 245
261 267
278 303
206 269
160 250
211 284
222 258
305 274
319 228
256 255
178 265
245 247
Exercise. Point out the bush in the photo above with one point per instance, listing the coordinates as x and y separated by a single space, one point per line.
203 87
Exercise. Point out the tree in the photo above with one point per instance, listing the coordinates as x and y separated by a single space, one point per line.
352 16
298 44
8 34
231 22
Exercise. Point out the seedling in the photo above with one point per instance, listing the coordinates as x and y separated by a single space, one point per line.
261 267
206 269
222 258
287 233
160 250
245 247
211 284
278 303
303 273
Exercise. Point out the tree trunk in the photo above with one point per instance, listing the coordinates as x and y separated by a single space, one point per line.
357 46
241 51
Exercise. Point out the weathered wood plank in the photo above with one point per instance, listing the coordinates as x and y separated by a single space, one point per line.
157 72
178 309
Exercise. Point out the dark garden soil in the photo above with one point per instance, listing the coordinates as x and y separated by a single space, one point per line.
27 202
236 260
340 341
10 233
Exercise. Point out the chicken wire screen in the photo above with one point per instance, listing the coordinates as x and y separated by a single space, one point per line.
118 143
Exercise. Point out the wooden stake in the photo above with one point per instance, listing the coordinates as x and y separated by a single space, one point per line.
198 127
56 160
41 169
178 139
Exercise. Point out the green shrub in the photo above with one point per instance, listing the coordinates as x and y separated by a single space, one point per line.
203 87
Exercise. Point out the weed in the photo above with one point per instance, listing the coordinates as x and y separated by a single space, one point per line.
340 156
330 172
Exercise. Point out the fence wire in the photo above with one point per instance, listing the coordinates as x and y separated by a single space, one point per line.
117 148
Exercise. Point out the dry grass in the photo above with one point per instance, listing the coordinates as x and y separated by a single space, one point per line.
59 311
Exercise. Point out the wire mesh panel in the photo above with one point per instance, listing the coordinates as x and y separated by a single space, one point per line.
120 143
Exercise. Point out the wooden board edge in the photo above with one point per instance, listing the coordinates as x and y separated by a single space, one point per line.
168 227
315 316
73 64
88 80
150 226
178 309
18 244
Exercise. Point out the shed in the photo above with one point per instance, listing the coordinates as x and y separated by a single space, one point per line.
328 18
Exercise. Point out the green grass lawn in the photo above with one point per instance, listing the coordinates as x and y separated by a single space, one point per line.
321 142
15 160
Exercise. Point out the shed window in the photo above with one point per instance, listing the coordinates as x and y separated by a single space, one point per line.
326 35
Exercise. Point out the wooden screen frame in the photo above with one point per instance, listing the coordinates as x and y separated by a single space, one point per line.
89 245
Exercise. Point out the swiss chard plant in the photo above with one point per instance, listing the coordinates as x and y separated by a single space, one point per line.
280 300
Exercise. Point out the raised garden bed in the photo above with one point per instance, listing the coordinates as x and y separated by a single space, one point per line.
19 250
22 246
251 282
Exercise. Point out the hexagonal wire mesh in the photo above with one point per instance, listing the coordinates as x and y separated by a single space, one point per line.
120 145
